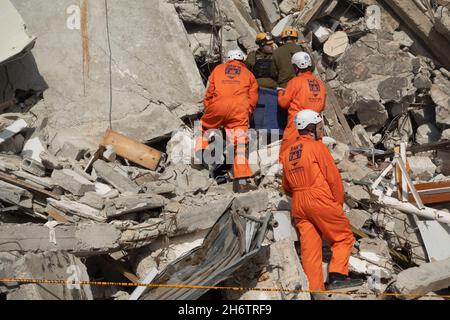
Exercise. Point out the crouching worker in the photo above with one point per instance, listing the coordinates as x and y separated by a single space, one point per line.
229 102
312 178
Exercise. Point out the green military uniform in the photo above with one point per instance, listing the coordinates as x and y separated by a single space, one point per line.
282 68
260 64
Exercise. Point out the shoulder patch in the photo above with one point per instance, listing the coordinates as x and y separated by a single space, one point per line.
233 71
314 87
295 153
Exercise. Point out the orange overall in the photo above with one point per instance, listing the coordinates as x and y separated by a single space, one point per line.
304 91
230 100
312 178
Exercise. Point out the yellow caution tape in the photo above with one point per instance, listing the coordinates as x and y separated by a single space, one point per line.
183 286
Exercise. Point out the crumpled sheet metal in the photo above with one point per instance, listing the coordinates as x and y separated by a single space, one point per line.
233 241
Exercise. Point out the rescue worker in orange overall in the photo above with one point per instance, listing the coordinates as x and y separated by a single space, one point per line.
304 91
313 180
229 102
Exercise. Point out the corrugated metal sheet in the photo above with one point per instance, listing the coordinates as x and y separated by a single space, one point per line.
232 242
14 39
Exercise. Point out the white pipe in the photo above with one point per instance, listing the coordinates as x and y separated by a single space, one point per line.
140 290
429 213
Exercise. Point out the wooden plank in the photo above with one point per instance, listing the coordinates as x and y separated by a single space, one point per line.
22 184
432 185
432 198
55 215
333 105
133 150
422 148
121 268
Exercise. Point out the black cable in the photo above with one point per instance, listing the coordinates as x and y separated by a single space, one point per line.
110 66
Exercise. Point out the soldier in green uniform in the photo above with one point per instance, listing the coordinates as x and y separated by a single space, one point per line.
267 115
282 69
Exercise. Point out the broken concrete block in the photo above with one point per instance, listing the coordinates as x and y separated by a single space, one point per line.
93 199
284 228
12 130
71 181
427 133
77 209
33 167
256 201
279 266
446 134
357 217
340 151
375 251
200 213
443 161
288 6
187 179
194 13
442 24
13 145
53 266
241 22
159 187
403 38
360 266
336 45
361 136
130 204
50 161
33 149
355 171
361 160
424 279
422 81
422 168
6 165
109 154
179 148
371 113
395 89
81 239
141 235
70 151
15 195
357 193
440 93
320 32
269 13
109 174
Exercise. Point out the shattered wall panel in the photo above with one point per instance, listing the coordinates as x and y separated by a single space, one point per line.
12 32
153 70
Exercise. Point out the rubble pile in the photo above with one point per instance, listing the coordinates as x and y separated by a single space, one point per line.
96 181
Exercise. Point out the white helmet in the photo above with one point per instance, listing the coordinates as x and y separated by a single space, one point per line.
235 54
306 117
302 60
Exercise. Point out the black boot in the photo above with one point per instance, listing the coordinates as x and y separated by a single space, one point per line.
243 186
340 281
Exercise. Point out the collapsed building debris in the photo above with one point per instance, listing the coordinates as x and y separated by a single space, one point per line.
92 171
44 266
